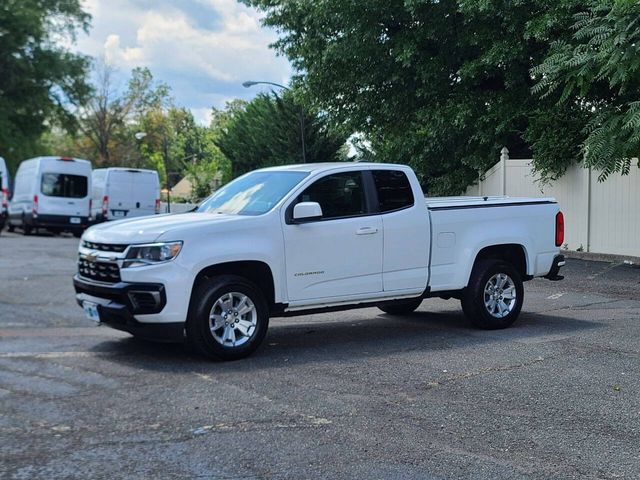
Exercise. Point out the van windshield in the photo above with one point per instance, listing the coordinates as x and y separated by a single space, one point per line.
64 185
252 194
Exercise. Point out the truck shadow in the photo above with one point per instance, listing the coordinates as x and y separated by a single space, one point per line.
362 337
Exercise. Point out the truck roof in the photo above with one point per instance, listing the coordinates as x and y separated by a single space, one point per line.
314 167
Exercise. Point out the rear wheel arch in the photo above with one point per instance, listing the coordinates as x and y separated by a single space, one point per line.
512 253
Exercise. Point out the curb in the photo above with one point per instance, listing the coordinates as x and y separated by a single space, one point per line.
602 257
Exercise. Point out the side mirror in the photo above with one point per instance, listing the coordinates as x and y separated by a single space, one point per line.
307 211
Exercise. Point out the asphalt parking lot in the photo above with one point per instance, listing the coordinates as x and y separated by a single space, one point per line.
338 396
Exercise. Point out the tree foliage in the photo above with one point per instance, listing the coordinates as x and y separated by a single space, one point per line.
597 72
266 132
442 85
106 118
40 80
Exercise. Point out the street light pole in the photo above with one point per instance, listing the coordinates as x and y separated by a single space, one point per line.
251 83
165 148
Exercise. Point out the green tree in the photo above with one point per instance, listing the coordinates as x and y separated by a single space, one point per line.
107 118
596 72
266 132
439 85
40 80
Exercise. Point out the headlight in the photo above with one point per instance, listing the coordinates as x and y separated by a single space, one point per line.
152 254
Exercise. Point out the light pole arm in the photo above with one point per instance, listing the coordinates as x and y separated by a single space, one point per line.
251 84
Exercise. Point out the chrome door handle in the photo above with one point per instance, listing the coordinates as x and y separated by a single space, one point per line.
366 231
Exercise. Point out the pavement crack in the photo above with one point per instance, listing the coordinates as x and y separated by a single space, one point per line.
483 371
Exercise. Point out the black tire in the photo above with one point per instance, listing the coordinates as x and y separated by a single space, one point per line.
77 233
205 295
473 298
10 228
401 307
26 229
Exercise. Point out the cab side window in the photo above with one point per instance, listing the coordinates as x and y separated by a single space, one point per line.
339 195
394 190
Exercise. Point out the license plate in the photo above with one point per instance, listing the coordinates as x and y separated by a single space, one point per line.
91 311
118 213
75 220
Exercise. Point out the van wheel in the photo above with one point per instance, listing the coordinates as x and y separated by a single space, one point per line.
228 318
26 229
401 307
77 233
493 299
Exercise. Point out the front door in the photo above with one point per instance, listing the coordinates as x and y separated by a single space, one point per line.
340 254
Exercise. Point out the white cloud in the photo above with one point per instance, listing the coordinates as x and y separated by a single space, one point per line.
204 49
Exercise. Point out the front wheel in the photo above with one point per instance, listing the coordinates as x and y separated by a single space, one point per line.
493 299
229 318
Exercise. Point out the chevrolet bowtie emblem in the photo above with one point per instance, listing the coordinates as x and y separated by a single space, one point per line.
92 257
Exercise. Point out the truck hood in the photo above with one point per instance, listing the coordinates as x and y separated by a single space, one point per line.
149 229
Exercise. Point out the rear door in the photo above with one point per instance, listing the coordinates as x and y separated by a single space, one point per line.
64 194
339 255
120 192
145 193
407 235
132 193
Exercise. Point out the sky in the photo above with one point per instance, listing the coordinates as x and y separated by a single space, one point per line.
203 49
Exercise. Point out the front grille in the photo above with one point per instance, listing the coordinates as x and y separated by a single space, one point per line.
101 271
105 247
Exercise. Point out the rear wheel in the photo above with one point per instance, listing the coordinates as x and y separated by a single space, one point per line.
400 307
229 318
493 299
10 228
26 229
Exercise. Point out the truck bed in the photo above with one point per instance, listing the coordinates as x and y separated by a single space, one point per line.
451 203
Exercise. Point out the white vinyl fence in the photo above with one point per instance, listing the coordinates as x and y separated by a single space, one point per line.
601 217
176 207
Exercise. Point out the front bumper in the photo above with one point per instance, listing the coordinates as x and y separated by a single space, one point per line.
558 263
119 303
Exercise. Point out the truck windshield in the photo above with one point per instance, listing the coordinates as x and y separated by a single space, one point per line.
252 194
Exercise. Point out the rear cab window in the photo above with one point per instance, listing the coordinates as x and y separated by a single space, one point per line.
64 185
393 189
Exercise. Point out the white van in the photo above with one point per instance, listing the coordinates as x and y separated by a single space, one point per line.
52 193
4 192
124 192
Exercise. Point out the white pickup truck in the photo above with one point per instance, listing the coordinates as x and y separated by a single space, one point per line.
296 239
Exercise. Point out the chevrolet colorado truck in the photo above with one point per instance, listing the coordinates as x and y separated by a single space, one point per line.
296 239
